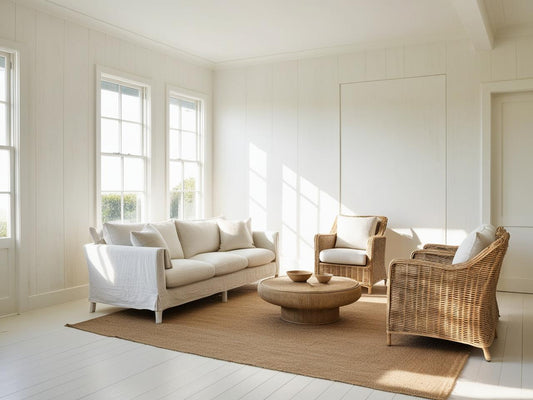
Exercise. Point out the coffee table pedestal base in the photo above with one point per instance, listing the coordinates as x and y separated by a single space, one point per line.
315 317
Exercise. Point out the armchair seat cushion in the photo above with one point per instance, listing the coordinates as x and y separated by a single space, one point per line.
255 256
224 263
184 272
343 256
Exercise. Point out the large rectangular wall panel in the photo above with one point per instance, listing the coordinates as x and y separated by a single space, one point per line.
393 157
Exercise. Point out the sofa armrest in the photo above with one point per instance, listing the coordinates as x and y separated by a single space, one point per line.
268 240
126 276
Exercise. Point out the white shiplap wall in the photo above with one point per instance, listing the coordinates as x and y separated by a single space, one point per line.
57 140
307 102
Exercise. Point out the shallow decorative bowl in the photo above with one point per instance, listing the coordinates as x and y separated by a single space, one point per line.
298 275
323 278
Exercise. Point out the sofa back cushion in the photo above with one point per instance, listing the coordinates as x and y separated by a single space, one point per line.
198 236
353 232
168 230
235 234
118 233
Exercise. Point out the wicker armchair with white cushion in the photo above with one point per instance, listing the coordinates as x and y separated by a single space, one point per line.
449 292
355 248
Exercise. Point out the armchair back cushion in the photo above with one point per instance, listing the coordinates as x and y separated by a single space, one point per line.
474 243
168 230
198 236
353 232
119 233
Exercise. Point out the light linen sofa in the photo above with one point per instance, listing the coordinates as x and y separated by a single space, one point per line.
192 265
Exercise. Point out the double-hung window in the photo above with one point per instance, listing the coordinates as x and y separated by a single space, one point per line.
6 146
123 148
185 155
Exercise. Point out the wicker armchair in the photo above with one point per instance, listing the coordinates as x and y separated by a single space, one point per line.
428 296
367 275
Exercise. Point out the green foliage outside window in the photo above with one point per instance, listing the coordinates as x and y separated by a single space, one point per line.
3 228
188 200
111 207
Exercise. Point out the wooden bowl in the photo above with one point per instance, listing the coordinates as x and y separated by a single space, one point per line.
323 278
298 275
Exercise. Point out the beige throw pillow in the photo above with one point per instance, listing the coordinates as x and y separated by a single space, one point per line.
235 234
150 237
353 232
168 230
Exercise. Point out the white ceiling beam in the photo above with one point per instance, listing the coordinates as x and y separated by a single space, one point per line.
475 20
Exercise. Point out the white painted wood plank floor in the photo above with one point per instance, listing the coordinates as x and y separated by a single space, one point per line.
42 359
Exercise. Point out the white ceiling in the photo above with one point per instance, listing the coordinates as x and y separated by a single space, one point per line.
226 31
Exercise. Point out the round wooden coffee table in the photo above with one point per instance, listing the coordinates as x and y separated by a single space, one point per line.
309 302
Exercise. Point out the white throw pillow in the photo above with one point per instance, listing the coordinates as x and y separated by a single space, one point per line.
198 236
150 237
168 230
235 234
117 233
472 245
353 232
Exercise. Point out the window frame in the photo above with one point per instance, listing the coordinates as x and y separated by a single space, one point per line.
144 85
11 104
202 101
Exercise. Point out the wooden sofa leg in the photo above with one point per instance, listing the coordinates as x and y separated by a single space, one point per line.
388 339
486 353
225 296
158 317
370 290
92 306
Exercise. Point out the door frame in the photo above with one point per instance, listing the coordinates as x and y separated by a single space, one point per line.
487 91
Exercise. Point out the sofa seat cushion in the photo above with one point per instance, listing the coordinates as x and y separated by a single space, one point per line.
255 256
343 256
225 263
184 272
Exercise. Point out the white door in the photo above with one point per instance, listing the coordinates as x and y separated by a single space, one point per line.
7 184
512 185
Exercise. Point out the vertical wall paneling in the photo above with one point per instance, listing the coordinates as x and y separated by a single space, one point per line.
7 20
503 61
231 156
425 59
376 64
259 140
524 51
49 223
76 195
283 161
318 145
352 67
463 141
26 33
394 62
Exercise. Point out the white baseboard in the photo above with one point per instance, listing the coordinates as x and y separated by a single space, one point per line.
518 285
56 297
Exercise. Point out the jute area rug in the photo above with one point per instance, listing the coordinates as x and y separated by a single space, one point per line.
248 330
